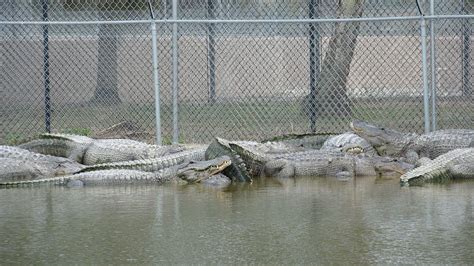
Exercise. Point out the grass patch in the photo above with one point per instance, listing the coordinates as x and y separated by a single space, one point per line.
255 119
15 139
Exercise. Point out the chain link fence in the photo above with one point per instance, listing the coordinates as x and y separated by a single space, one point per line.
239 69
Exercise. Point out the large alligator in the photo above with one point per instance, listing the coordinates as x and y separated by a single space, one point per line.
152 165
240 168
316 163
458 163
90 151
191 172
389 142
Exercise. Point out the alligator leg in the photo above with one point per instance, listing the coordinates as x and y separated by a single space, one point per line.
279 168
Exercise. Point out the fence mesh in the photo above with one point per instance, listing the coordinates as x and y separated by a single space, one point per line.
239 80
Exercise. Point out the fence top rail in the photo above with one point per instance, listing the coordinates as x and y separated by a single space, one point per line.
218 21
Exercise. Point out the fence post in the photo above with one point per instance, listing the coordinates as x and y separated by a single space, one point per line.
175 71
314 60
433 67
466 53
156 80
424 62
211 52
47 97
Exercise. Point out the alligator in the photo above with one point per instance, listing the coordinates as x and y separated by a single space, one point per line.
317 163
458 163
155 164
90 151
20 163
96 177
364 165
237 170
119 150
329 166
191 172
293 164
342 142
411 146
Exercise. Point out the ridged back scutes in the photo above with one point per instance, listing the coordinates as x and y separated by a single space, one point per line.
115 176
436 143
153 164
237 171
436 167
115 150
69 137
19 153
253 159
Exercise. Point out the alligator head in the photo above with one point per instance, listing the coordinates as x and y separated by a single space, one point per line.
387 142
392 167
197 171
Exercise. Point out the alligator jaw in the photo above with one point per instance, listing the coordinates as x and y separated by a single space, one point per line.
353 149
354 128
201 170
217 169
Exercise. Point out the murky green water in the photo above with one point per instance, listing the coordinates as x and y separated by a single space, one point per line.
297 221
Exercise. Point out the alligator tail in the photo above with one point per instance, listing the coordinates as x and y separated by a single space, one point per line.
52 181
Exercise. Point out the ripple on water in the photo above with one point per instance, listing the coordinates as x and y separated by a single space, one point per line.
287 221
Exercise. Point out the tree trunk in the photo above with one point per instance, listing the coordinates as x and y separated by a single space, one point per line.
331 89
106 91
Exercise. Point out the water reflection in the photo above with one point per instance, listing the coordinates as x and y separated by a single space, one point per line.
323 220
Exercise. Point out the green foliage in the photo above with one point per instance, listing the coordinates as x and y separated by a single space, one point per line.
78 131
168 140
15 139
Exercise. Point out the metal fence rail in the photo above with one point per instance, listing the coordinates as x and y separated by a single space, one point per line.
186 71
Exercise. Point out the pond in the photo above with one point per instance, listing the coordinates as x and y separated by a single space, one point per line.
320 220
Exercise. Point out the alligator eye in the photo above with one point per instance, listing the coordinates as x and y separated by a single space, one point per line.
382 128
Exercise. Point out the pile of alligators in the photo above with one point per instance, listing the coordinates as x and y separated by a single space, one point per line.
367 150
